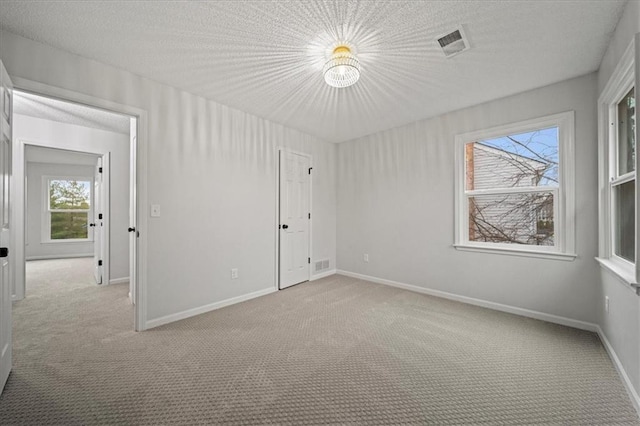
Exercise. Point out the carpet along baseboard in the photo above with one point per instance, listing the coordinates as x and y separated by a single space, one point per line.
119 280
323 275
583 325
206 308
633 395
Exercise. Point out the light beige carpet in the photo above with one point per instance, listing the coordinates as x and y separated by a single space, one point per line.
337 351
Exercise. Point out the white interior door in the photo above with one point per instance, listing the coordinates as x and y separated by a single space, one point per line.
133 233
98 223
295 215
6 95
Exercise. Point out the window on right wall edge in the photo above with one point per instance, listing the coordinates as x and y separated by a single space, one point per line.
618 164
515 190
623 178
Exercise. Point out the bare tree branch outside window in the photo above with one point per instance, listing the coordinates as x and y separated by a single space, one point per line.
495 169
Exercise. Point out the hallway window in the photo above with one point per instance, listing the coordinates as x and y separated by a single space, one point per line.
68 209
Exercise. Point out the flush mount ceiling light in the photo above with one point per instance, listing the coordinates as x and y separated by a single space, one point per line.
342 69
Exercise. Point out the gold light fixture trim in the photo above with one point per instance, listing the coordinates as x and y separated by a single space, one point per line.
342 69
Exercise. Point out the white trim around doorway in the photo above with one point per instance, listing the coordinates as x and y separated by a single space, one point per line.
21 84
19 210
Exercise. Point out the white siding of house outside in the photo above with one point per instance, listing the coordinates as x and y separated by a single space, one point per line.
493 168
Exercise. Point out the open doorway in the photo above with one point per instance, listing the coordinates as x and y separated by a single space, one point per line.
74 182
63 241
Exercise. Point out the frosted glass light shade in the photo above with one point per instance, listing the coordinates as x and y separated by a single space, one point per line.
342 69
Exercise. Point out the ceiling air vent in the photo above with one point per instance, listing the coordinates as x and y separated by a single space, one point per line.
453 43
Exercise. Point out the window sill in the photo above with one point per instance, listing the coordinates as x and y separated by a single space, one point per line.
624 273
518 252
66 241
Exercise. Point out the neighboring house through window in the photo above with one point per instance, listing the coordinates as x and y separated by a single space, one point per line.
67 209
515 188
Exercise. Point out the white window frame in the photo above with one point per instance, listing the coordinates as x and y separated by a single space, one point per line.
564 193
46 211
620 83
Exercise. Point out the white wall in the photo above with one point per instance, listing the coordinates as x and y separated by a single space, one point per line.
622 324
35 248
213 171
396 203
78 138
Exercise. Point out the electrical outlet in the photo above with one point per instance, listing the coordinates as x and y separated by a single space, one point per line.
606 304
366 258
234 273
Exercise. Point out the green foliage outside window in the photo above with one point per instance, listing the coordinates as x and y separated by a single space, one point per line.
69 204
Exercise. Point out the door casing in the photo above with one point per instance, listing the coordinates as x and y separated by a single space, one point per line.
102 205
140 166
19 211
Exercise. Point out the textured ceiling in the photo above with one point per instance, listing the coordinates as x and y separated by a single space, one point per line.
65 112
265 57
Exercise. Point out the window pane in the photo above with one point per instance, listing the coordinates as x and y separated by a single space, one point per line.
525 218
67 225
525 159
69 194
627 133
625 229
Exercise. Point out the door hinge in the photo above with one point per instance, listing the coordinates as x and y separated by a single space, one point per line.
99 169
309 215
310 168
99 262
309 260
99 215
4 251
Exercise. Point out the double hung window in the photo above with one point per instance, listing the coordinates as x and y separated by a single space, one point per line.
618 170
515 188
67 209
623 177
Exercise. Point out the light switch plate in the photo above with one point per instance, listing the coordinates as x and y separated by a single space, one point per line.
155 210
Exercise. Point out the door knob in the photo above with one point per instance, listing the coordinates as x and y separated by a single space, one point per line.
285 226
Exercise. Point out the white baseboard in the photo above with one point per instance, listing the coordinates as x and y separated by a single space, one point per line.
206 308
323 275
119 280
633 395
582 325
57 256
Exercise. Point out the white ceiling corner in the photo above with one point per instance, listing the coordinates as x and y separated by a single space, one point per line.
265 57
